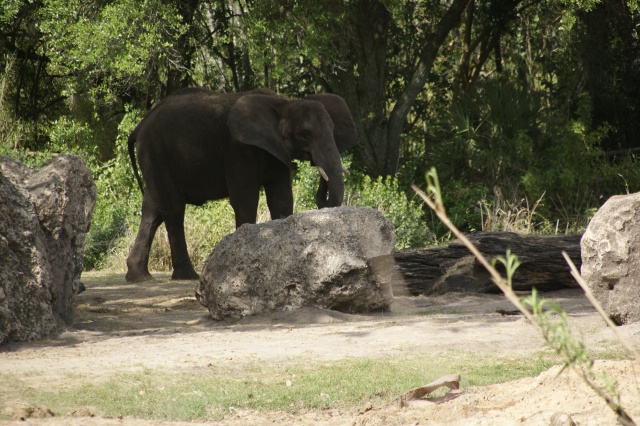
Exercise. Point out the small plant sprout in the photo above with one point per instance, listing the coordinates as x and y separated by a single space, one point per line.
510 262
547 317
433 188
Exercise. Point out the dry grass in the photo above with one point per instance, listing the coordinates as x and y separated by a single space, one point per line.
515 215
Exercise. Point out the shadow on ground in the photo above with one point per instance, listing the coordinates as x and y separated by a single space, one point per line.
112 305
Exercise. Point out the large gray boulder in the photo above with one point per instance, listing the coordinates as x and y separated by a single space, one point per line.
339 259
25 274
610 249
51 207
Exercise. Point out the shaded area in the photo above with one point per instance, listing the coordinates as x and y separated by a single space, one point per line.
113 306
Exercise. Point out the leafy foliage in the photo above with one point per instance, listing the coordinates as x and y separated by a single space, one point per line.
407 216
112 48
118 202
512 101
384 194
499 144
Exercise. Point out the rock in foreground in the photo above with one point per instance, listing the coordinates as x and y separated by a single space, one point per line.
611 257
25 274
44 216
339 259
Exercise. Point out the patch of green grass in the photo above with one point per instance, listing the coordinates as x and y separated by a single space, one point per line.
209 394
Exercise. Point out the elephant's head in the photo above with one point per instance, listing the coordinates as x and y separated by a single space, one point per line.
317 129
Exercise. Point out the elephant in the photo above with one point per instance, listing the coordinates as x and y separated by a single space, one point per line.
198 145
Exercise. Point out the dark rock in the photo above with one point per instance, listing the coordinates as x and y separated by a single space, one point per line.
337 259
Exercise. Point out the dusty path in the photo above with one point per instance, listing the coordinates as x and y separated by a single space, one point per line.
125 327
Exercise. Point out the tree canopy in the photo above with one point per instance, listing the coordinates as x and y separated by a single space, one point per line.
504 96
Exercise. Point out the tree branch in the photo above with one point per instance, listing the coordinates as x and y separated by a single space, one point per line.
413 87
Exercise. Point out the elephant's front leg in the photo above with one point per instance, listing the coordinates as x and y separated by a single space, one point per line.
245 204
280 197
138 259
182 267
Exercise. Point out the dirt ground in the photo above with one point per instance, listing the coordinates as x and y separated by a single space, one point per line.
127 327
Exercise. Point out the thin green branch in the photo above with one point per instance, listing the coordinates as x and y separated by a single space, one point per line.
554 331
438 208
587 291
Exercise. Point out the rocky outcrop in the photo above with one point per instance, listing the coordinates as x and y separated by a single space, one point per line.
611 257
337 259
25 274
44 216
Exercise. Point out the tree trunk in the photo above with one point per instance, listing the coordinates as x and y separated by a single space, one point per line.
178 77
361 81
449 268
360 77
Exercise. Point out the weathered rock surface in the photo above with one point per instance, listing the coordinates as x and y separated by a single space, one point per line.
25 274
452 268
44 216
611 257
337 259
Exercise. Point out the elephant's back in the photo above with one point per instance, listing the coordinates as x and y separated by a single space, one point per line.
184 139
196 115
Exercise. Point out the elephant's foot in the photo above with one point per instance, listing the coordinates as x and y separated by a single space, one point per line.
185 275
133 276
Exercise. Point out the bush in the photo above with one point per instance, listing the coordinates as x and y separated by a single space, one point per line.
574 172
406 214
500 151
383 194
109 224
118 201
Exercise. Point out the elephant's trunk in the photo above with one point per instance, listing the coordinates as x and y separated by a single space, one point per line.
331 188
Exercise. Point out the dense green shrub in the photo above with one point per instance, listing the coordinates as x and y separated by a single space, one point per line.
574 172
109 223
403 209
500 152
488 136
118 201
398 204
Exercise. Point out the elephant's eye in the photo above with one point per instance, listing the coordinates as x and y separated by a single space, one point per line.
304 135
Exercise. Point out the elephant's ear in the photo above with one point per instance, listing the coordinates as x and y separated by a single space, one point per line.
255 120
344 130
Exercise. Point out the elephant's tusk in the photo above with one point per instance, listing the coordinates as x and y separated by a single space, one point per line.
346 172
323 174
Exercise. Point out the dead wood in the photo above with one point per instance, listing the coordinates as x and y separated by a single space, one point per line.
449 268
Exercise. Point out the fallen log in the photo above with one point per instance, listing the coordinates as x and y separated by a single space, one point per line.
452 268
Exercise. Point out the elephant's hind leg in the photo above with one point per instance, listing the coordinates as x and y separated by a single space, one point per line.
138 259
182 267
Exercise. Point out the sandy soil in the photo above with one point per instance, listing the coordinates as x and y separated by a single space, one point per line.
125 327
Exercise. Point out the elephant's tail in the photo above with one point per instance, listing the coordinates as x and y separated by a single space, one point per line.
131 143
